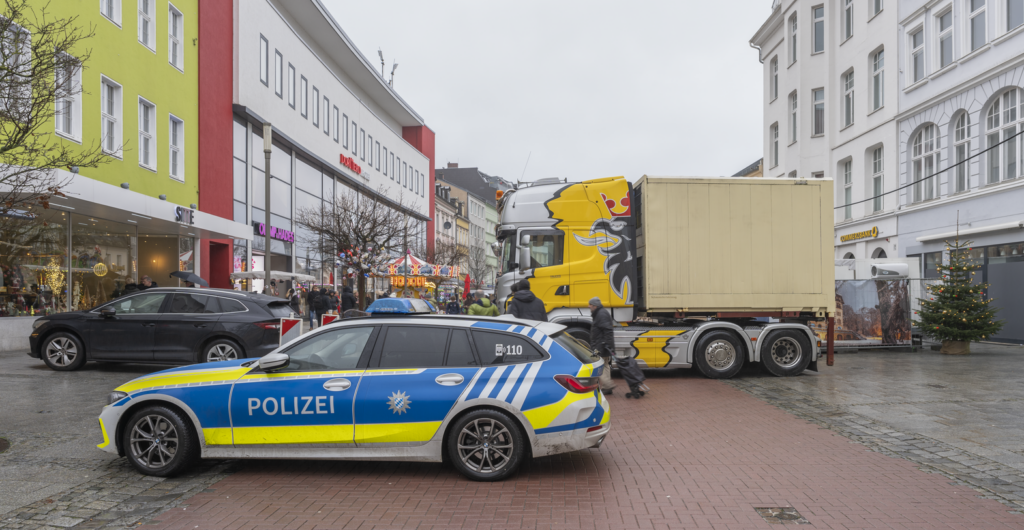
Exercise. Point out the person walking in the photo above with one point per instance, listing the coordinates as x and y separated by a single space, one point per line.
602 341
526 305
452 307
320 303
293 302
348 300
483 307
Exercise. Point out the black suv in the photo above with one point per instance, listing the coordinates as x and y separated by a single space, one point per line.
166 325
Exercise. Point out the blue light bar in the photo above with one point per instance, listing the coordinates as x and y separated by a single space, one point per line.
399 306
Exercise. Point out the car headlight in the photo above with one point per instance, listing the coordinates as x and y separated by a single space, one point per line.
116 396
37 323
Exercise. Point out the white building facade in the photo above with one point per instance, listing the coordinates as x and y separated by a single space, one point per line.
961 106
830 106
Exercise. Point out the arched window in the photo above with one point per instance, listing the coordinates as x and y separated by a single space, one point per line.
961 149
849 255
1001 123
879 253
924 157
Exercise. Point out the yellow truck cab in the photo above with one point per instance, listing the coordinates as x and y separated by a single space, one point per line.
712 272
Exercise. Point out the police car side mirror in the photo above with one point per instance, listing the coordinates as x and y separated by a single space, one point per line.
273 361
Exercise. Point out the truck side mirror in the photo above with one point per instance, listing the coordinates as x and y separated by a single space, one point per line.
524 258
525 241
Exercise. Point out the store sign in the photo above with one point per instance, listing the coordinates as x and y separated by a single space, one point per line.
279 234
860 235
184 215
351 164
414 281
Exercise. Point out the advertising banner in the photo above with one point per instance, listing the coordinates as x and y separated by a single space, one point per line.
870 313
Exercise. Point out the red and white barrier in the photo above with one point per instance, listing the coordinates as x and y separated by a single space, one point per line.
327 319
291 328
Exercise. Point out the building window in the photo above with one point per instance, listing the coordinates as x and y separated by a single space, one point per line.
848 19
416 182
775 78
316 107
876 7
405 175
848 99
848 189
819 111
773 133
68 91
278 74
792 174
792 117
917 54
112 10
977 23
175 32
946 38
386 161
264 61
177 143
147 134
369 143
327 116
344 131
110 114
146 36
391 162
291 86
819 29
1002 122
398 170
377 147
792 39
1014 13
924 160
818 175
878 79
337 126
362 145
877 172
304 97
961 146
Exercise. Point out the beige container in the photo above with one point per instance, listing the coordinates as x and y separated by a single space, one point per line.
736 244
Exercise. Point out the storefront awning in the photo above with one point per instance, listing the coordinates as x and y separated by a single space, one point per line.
86 196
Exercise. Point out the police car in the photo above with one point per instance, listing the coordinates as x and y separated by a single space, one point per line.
400 384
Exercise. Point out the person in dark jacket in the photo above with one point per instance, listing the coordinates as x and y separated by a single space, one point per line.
130 288
527 306
452 307
321 302
293 302
602 341
348 300
147 283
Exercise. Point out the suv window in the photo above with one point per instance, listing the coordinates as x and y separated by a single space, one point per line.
337 349
140 304
216 304
414 347
460 352
189 303
575 347
501 348
279 309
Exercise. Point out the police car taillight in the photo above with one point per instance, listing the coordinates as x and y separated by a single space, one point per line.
577 385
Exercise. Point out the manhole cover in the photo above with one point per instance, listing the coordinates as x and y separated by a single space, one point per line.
781 515
4 445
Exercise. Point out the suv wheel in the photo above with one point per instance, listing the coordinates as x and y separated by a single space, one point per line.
221 350
63 352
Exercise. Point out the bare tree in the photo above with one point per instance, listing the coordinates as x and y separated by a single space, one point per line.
41 58
364 230
447 253
476 266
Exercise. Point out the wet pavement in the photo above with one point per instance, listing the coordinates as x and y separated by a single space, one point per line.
946 437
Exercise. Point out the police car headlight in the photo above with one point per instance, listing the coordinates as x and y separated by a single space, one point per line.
114 397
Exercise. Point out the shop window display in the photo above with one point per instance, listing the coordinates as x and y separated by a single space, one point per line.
103 255
33 263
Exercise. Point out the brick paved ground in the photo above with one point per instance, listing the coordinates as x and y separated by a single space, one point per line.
695 453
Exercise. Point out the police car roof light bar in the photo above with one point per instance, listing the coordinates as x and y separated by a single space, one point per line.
399 306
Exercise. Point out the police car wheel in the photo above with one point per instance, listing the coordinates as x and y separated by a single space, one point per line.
221 350
63 352
159 442
786 353
719 355
486 445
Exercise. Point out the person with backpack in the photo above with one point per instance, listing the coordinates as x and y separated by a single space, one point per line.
482 307
348 300
526 305
293 302
320 303
602 341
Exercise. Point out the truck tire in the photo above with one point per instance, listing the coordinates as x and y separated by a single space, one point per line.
786 352
719 355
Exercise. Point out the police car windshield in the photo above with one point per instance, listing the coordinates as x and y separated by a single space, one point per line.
575 347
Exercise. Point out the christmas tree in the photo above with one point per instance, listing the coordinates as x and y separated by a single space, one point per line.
955 311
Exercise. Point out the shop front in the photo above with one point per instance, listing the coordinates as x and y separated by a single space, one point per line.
872 238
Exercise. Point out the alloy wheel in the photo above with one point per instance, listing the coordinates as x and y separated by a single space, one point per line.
61 351
720 354
485 445
221 352
786 352
154 441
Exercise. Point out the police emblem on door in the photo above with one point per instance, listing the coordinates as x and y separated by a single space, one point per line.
398 403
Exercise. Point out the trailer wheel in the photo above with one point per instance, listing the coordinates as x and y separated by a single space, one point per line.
786 352
719 355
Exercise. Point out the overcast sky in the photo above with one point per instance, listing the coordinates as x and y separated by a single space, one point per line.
585 89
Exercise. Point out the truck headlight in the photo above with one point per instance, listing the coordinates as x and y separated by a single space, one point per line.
116 396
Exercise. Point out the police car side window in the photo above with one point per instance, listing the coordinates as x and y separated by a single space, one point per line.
503 348
338 349
460 353
413 347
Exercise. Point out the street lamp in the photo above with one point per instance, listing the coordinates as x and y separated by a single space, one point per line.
267 132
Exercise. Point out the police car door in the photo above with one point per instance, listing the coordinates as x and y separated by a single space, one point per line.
415 376
308 401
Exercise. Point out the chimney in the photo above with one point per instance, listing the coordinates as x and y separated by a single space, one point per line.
453 165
